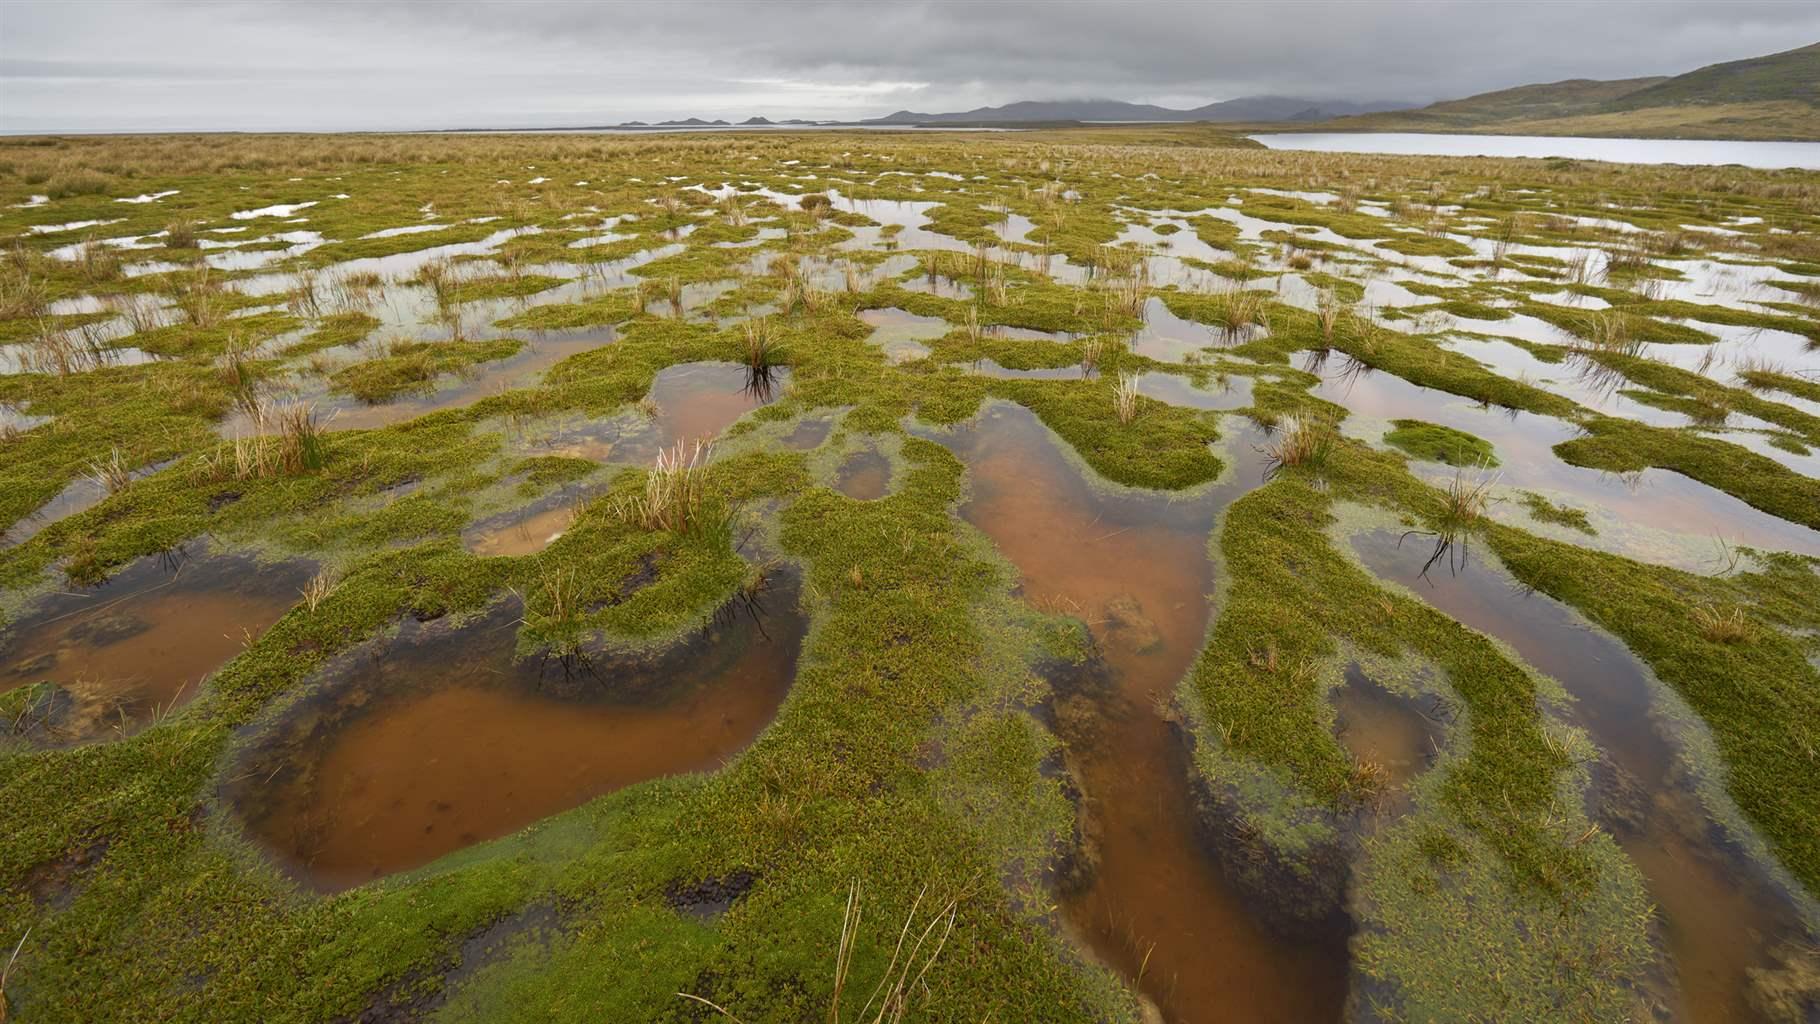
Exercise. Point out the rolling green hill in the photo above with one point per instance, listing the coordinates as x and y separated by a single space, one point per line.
1555 99
1771 97
1791 75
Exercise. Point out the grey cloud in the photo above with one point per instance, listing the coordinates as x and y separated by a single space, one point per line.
80 64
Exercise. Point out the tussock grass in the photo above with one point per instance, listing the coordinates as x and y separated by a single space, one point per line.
199 297
63 352
1125 399
763 351
289 441
320 586
141 312
112 473
1460 511
675 490
181 234
1301 441
1722 625
24 293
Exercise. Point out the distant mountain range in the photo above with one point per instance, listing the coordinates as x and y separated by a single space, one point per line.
1772 97
1245 108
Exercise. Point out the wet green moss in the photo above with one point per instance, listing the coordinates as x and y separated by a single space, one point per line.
1435 443
1622 446
413 366
1426 245
187 339
905 755
1771 380
1651 608
1543 510
1598 325
600 311
1164 447
335 331
502 287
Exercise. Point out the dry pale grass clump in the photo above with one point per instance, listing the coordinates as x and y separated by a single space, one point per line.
1463 505
200 298
1241 311
181 234
1125 398
1091 351
1625 261
141 312
112 473
288 441
24 293
304 296
443 279
1465 501
1722 625
62 353
1306 441
98 263
1328 309
996 288
675 490
320 586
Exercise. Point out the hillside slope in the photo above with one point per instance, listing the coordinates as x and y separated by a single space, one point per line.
1771 97
1793 75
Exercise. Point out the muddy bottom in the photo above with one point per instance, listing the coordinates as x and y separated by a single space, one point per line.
440 738
865 476
992 368
1392 737
1230 393
807 435
693 402
1134 567
901 333
1722 914
141 644
526 531
79 495
448 391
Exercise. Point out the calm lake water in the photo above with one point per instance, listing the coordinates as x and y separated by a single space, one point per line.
1633 151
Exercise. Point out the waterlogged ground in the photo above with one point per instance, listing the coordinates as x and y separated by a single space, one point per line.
1122 574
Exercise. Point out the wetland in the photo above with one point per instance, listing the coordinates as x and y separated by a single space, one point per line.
1119 574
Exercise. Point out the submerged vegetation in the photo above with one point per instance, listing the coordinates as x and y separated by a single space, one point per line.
829 514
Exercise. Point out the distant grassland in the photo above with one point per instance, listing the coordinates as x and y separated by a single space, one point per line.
1769 121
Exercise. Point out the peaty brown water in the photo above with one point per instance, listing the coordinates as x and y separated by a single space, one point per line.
440 738
1721 912
864 476
1392 734
142 643
1134 567
525 533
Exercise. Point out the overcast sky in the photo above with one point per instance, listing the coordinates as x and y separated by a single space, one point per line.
163 64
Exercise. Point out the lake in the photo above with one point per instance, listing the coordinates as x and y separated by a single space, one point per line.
1631 151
